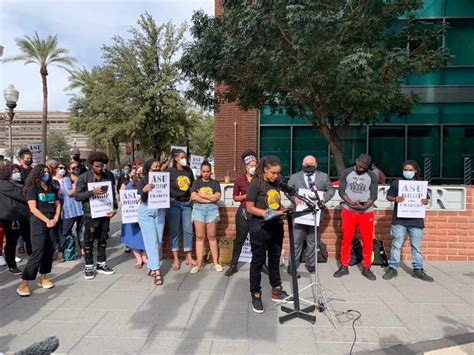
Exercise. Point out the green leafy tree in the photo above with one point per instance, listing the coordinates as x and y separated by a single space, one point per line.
333 62
201 139
44 52
58 147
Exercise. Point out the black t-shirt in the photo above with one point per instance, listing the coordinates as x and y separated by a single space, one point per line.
208 187
407 222
45 199
181 182
264 197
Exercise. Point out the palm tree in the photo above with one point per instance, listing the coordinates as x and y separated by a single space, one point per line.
44 53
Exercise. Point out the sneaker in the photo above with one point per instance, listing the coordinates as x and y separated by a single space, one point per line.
368 274
420 274
311 269
18 259
231 271
342 271
390 274
21 249
15 271
104 269
278 294
195 269
89 273
2 261
257 304
23 289
218 267
45 282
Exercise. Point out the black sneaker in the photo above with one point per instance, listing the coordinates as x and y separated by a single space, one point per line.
257 304
343 270
231 271
311 269
420 274
390 274
278 295
368 274
15 271
104 269
89 273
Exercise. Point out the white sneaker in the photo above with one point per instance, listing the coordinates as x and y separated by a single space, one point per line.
18 259
2 261
218 267
195 269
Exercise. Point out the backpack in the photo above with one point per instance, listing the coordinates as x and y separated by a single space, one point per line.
70 252
322 252
356 252
379 257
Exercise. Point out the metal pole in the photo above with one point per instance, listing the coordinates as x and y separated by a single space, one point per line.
467 159
10 141
427 167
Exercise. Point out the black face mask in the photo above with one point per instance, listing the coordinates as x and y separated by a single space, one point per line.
76 158
28 162
309 169
76 172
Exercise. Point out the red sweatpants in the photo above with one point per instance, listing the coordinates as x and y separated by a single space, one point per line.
350 220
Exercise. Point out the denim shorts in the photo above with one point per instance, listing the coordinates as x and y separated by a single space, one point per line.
205 212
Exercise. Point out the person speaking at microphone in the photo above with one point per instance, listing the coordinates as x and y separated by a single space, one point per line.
266 235
308 178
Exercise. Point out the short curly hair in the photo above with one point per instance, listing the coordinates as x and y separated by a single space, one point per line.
98 156
23 152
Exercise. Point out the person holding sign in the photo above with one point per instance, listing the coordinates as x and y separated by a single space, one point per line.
401 225
96 228
181 179
151 221
313 180
205 193
43 201
358 189
263 202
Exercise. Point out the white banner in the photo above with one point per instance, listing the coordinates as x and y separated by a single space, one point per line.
196 161
246 253
101 204
309 218
37 151
178 147
413 192
159 196
130 201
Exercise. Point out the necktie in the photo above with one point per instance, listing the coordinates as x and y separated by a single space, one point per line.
310 182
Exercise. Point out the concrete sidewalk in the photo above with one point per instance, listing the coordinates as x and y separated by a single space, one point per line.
208 313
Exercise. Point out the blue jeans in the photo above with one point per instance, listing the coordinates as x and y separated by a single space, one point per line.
180 212
398 233
152 224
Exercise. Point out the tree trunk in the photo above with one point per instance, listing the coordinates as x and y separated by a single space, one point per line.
157 153
117 152
44 120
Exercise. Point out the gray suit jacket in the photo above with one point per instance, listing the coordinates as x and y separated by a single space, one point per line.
321 180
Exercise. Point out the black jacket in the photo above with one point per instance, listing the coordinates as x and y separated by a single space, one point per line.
83 194
13 204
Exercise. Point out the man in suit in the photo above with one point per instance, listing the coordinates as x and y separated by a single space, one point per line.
308 178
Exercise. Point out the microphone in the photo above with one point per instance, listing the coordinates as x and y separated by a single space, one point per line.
283 186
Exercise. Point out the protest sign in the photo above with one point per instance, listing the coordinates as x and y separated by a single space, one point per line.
246 253
413 192
130 200
37 152
309 218
159 196
104 203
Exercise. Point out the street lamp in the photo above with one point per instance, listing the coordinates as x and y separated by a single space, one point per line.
11 97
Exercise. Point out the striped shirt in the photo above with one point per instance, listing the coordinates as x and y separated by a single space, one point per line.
70 208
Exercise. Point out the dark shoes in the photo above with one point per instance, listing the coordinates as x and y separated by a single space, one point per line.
420 274
390 274
257 304
231 271
104 269
311 269
89 273
278 294
343 270
15 271
368 274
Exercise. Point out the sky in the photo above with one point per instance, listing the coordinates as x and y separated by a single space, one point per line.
83 27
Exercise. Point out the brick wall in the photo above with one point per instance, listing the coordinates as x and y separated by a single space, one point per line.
449 235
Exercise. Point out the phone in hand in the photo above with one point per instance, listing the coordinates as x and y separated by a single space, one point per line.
104 188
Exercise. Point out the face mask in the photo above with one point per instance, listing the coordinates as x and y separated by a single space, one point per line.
62 172
125 172
76 171
251 171
408 174
309 169
45 177
183 162
28 162
16 176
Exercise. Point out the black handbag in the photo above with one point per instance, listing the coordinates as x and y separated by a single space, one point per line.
356 252
379 257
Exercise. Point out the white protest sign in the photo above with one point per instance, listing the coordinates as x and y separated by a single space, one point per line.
159 196
413 191
309 218
101 204
196 161
37 152
246 253
130 201
179 147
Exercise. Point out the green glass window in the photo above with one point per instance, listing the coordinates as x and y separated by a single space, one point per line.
459 8
387 147
269 117
424 113
433 78
276 141
457 113
353 143
431 8
307 141
457 141
459 40
423 141
459 76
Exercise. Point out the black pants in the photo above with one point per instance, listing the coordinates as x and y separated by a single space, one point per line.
241 232
263 240
66 229
43 240
97 228
13 230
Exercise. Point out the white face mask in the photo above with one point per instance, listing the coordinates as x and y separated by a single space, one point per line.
62 172
251 171
183 162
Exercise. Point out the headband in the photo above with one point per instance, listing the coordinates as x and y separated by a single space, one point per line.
249 158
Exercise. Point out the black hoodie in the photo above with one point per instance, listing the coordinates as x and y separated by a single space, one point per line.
13 203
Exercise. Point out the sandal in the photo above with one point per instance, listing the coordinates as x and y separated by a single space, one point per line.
158 279
138 265
176 265
192 263
151 273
